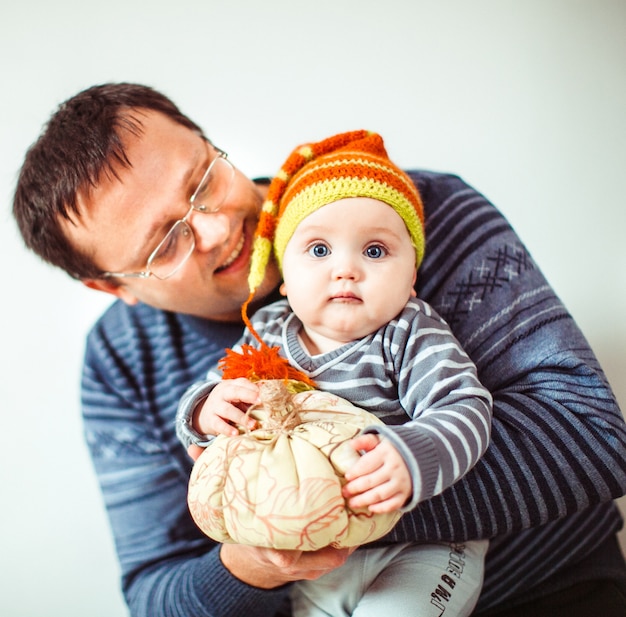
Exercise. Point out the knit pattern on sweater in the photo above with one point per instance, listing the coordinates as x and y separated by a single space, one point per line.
542 492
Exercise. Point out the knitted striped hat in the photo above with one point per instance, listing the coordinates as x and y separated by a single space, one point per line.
353 164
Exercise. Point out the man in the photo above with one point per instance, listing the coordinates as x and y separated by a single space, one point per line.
124 193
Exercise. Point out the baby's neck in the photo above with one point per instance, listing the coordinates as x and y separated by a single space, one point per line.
315 344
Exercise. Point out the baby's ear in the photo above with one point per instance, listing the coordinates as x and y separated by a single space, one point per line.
283 289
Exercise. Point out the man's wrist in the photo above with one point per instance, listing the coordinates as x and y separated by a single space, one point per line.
245 567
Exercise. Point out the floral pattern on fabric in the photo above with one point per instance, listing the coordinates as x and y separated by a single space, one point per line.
280 485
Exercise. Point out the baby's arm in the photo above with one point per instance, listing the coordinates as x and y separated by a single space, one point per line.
380 479
196 425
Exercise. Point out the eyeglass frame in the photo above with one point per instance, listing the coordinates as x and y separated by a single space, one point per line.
147 273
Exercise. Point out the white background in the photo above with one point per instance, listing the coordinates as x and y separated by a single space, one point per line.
526 100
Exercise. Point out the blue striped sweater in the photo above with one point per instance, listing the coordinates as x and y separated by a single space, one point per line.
542 493
411 373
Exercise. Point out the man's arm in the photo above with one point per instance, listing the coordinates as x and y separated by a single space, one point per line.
558 437
557 434
138 362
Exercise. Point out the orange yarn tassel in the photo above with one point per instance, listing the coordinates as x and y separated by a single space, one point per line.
256 364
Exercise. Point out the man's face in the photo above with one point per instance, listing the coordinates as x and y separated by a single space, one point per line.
124 218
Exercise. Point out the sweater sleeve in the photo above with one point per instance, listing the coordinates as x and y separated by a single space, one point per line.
185 430
438 387
130 391
558 437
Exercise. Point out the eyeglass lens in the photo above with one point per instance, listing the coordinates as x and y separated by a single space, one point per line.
173 250
179 242
214 188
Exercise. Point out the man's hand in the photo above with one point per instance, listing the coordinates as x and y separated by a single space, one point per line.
267 568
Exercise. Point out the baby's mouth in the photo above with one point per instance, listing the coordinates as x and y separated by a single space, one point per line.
345 297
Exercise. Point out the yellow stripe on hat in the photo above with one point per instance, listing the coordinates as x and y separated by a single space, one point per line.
306 152
258 262
314 196
283 175
356 165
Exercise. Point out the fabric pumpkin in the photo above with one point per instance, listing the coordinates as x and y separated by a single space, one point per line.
280 485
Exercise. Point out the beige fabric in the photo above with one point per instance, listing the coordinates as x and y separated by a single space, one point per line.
280 485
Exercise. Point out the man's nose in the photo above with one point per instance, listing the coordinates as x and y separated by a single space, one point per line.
210 230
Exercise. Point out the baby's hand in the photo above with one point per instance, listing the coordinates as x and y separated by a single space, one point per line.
225 408
380 479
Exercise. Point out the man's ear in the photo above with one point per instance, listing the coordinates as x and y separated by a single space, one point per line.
119 291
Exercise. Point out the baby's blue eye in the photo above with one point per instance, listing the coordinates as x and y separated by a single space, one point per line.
375 251
318 250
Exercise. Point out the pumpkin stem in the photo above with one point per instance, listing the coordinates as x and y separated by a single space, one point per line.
278 401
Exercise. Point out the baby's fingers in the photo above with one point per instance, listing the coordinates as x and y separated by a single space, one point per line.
221 424
235 391
224 409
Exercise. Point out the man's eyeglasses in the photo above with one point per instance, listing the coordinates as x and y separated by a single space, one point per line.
179 242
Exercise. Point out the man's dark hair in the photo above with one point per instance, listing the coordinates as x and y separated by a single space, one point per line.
82 141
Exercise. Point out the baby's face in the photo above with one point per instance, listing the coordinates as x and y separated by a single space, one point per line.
348 269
